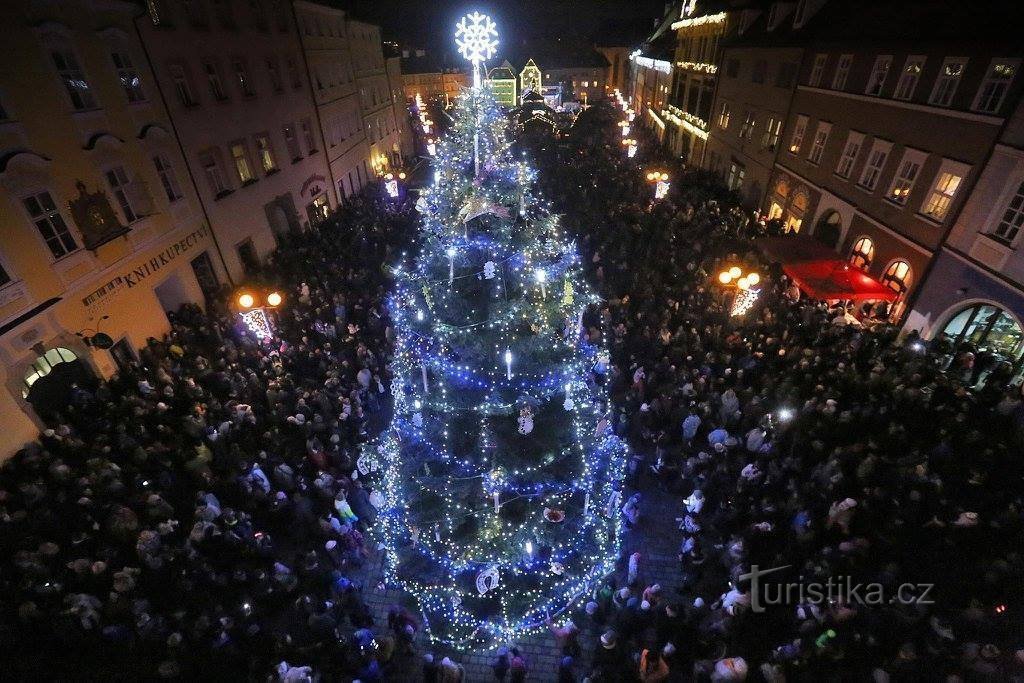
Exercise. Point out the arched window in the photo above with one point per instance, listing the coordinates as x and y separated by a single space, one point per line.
898 277
863 253
987 327
829 228
43 366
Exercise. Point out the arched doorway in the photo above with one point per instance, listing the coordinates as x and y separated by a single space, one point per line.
49 380
898 277
829 228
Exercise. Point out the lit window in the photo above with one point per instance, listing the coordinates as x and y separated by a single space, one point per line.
747 129
818 145
798 134
997 82
168 179
265 154
878 74
240 157
772 131
909 77
842 72
723 115
118 180
908 171
849 155
43 366
949 78
1013 217
128 76
50 224
814 80
947 182
75 82
898 278
863 253
735 177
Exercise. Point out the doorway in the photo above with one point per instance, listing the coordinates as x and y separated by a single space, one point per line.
206 276
123 354
247 255
51 379
172 293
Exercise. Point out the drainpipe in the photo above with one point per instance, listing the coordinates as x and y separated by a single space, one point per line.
181 148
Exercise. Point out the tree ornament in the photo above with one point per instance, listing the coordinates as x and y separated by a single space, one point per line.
489 270
421 204
428 298
478 205
525 420
568 293
487 580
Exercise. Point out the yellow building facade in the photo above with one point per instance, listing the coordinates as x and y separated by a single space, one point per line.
100 228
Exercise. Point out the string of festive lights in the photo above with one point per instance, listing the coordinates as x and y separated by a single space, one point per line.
499 471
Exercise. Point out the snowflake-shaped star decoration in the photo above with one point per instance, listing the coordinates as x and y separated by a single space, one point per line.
476 36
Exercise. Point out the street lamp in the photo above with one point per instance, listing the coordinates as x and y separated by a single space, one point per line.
661 183
630 145
624 125
747 290
252 309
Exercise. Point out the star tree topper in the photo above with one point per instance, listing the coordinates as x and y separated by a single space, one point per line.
476 36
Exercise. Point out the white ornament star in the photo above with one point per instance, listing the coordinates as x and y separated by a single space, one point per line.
476 36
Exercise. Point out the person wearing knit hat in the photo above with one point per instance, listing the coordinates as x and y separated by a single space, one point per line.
608 639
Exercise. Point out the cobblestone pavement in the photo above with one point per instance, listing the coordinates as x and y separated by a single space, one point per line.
656 538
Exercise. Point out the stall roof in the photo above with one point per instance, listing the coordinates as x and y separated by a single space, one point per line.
819 272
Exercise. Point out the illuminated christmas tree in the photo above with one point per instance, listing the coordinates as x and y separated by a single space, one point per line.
499 473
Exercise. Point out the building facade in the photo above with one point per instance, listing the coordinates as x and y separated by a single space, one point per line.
885 137
100 227
973 296
375 97
759 63
502 80
233 79
426 77
325 48
617 73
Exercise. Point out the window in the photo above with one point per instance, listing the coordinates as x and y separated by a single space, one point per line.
800 14
874 165
947 181
997 81
293 73
44 365
318 210
863 253
266 156
213 78
732 67
787 74
292 142
275 74
849 155
75 82
814 80
118 181
818 145
50 224
909 77
948 80
989 328
167 177
798 134
907 173
214 175
181 85
307 135
897 277
760 69
240 158
735 177
244 84
128 76
842 72
772 130
1013 217
747 129
878 74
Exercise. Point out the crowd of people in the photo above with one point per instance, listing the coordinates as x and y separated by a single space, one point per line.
201 516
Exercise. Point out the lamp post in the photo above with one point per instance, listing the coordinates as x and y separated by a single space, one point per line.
630 145
252 308
624 125
661 183
744 286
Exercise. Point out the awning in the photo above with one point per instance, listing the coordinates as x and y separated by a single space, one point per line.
835 279
819 273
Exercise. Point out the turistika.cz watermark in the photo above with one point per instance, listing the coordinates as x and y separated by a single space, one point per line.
835 590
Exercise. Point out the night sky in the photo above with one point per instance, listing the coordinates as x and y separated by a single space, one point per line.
521 23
